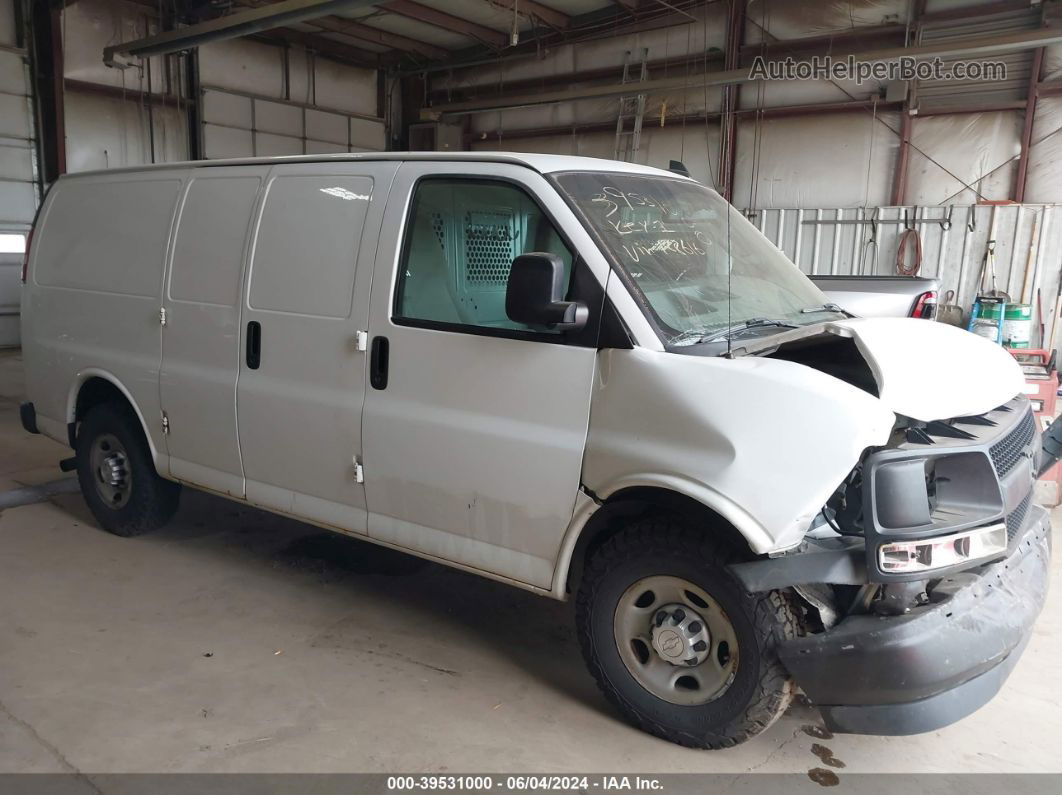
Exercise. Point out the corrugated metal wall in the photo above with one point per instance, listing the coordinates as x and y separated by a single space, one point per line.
1026 249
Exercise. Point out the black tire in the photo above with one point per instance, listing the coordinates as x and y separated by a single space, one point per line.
760 690
151 501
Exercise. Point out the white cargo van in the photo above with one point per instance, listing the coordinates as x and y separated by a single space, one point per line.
575 376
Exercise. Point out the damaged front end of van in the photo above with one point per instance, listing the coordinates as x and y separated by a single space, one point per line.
894 501
880 471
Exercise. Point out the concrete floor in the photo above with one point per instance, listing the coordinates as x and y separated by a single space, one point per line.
234 640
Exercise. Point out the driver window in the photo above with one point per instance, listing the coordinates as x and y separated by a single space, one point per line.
463 236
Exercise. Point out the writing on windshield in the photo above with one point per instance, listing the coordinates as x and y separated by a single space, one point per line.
649 227
697 262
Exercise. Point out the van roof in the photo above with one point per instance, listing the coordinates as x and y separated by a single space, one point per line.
544 164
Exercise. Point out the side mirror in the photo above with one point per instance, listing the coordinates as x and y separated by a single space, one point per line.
535 294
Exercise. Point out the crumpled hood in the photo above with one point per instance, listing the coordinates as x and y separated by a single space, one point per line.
924 370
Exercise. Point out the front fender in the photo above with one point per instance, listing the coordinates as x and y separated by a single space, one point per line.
763 442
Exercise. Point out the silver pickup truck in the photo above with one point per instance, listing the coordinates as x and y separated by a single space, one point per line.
881 296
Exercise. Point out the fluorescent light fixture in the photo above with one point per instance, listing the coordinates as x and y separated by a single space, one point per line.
927 554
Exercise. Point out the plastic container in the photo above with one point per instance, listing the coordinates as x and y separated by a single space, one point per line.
1017 325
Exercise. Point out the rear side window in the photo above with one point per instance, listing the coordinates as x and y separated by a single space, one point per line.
461 239
107 236
307 244
208 253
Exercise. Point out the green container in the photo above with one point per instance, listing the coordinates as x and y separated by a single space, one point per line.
991 311
1017 325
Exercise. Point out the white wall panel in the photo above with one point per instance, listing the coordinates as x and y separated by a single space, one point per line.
238 126
815 161
222 143
12 73
324 147
14 119
269 145
230 109
329 127
245 66
344 87
950 152
367 135
274 117
16 162
107 132
91 25
1045 161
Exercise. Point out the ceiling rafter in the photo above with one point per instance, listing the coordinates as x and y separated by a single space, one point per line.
395 41
441 19
336 50
366 33
529 8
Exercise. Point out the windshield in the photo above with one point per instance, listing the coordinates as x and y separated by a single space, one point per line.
675 240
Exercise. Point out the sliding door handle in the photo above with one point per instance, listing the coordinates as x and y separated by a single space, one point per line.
254 344
378 363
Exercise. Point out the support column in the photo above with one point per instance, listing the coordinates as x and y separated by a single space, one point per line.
899 182
735 35
47 57
1021 178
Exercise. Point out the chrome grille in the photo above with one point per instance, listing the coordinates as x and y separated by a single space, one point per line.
1008 450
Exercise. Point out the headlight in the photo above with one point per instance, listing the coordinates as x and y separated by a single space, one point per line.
908 557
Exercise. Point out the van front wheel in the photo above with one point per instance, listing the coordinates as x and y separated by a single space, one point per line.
676 643
117 476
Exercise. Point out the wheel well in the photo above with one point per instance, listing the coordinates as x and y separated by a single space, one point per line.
633 503
94 392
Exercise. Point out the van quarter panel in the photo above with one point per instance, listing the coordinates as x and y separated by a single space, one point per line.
300 397
97 268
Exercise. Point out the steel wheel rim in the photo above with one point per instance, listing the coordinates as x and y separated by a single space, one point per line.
685 684
111 473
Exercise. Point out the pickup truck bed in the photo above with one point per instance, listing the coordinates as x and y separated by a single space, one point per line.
879 296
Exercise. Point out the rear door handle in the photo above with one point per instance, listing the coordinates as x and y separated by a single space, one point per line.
254 344
378 362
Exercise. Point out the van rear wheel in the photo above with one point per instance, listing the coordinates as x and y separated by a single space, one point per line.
117 476
674 641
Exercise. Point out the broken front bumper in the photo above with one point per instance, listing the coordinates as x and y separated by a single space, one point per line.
918 672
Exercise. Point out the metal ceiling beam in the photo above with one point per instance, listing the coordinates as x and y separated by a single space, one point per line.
784 111
243 23
981 45
529 8
336 50
440 19
384 38
838 44
366 33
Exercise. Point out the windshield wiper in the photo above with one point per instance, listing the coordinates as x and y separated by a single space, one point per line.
825 308
754 322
